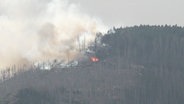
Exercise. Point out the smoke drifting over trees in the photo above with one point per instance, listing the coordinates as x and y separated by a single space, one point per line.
32 30
137 65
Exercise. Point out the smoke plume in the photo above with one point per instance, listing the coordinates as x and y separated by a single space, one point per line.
41 30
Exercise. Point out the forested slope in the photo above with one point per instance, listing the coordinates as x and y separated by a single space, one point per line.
138 65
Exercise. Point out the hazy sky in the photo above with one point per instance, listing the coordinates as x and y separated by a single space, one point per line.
132 12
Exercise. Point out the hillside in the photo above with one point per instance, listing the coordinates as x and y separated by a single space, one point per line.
138 65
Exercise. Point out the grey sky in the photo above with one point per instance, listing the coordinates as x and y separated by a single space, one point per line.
134 12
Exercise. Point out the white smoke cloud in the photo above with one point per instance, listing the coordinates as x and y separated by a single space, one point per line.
40 30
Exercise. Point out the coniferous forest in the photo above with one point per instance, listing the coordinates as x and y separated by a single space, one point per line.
137 65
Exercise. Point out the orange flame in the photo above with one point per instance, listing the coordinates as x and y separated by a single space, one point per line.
94 59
